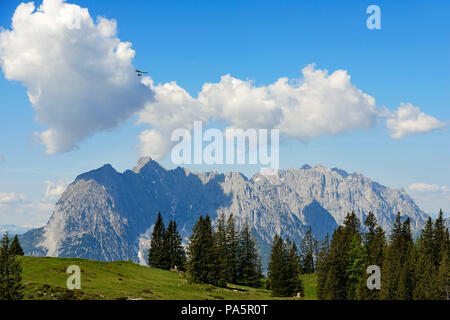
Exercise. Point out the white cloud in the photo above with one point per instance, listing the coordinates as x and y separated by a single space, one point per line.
316 104
12 198
26 214
79 80
173 108
409 120
154 144
423 187
54 190
431 197
18 209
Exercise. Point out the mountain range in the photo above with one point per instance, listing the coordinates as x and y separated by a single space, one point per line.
13 229
106 215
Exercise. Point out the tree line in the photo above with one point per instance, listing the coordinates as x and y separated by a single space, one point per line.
410 269
215 256
11 287
221 254
288 262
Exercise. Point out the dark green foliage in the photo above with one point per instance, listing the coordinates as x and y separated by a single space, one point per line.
409 270
222 250
397 252
341 273
356 268
233 245
223 256
439 239
443 279
158 256
427 266
323 267
276 277
294 283
11 287
374 248
15 248
307 249
335 284
284 269
177 256
249 265
203 260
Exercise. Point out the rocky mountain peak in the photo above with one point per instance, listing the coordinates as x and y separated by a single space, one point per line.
142 162
106 215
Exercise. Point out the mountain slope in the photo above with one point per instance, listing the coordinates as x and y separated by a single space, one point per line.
106 215
45 279
12 229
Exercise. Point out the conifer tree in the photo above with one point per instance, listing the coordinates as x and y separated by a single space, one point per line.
333 289
177 256
357 262
276 277
439 238
374 246
233 248
427 272
294 283
392 262
15 248
158 256
11 287
221 245
443 279
323 267
337 280
203 262
307 253
249 264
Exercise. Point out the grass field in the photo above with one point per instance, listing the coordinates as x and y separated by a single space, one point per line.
45 278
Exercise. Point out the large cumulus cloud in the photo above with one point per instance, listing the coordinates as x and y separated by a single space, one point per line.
316 104
79 75
80 80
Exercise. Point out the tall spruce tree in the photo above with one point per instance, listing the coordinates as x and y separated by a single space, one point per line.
426 287
443 279
336 280
374 245
392 262
15 248
323 267
158 256
11 287
249 264
276 277
177 256
398 279
307 252
356 268
221 246
294 283
339 283
284 269
439 238
203 263
232 236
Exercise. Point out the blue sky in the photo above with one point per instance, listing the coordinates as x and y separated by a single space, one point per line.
193 43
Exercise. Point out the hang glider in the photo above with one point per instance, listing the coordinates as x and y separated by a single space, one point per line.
140 73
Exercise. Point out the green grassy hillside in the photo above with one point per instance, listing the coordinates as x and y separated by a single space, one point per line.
45 278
